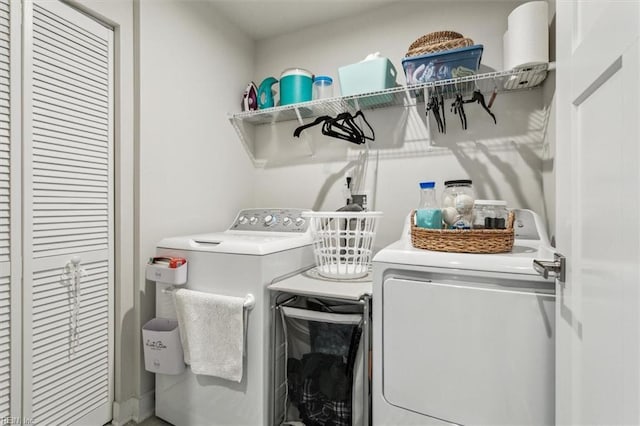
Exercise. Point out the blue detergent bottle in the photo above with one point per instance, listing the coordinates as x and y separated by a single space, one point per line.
428 214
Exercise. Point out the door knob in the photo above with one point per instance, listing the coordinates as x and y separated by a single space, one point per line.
557 267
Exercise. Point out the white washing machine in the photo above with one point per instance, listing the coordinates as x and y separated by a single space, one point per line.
464 338
261 246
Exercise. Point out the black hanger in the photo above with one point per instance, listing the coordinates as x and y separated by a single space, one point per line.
343 126
479 98
434 106
457 107
444 116
360 114
298 130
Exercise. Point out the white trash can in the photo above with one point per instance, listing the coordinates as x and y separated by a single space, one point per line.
162 348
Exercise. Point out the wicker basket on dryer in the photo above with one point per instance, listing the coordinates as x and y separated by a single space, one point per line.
437 42
464 240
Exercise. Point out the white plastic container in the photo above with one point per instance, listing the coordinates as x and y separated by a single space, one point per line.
490 214
343 242
162 347
322 87
161 273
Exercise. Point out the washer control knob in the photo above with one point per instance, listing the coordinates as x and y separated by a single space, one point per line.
253 220
300 221
242 220
286 221
270 220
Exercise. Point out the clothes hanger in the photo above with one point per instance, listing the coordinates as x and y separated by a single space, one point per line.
493 94
360 114
457 107
318 120
351 130
478 97
342 127
434 106
344 121
444 116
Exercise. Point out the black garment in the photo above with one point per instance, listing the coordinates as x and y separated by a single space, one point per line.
317 409
320 387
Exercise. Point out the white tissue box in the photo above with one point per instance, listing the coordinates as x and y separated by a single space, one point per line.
162 348
160 272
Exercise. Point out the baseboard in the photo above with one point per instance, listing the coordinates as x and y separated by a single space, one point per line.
123 412
146 406
133 409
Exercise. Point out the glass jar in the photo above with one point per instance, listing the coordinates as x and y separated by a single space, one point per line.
457 203
490 214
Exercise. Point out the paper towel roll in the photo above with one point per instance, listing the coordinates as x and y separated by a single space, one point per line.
506 51
526 41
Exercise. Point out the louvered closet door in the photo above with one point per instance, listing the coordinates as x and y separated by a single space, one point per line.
68 217
9 221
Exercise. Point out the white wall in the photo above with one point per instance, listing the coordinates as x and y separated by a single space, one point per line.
193 173
504 161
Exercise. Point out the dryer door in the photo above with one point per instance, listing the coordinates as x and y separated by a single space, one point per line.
468 353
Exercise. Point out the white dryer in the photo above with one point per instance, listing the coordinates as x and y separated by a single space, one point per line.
261 246
464 338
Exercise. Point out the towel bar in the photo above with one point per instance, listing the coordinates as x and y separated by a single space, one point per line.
249 299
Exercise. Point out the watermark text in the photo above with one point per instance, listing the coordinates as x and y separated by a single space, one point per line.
16 421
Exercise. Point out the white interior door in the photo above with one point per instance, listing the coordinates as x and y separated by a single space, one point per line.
10 295
68 199
597 209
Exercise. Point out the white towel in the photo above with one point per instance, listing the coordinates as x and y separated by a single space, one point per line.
212 333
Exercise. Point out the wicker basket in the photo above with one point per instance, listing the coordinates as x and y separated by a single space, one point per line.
438 41
464 240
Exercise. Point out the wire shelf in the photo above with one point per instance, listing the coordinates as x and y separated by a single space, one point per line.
405 96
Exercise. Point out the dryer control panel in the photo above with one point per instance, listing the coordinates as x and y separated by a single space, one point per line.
526 226
270 220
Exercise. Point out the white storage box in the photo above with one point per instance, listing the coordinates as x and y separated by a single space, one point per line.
161 272
162 348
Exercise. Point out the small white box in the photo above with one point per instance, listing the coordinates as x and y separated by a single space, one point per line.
162 348
160 272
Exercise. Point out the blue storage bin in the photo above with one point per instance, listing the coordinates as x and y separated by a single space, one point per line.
442 65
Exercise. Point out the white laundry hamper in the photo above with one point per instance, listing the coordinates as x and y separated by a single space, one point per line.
343 242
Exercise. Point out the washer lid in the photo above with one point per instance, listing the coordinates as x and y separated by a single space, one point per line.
238 242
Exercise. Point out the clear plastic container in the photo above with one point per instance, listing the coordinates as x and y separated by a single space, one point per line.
457 203
490 214
322 87
428 214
